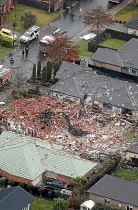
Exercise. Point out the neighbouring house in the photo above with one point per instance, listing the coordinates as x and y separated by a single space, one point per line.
5 6
82 84
48 5
132 153
30 160
15 198
132 26
119 192
123 60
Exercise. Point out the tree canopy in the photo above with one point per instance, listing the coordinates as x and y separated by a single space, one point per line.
61 49
97 18
60 204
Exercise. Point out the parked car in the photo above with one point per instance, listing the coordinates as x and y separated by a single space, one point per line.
30 34
50 38
56 184
7 35
66 192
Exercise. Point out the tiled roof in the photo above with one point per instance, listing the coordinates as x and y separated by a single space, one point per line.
28 157
97 87
132 23
116 189
14 198
125 56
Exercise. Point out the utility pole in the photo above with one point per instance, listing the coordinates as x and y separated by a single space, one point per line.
14 23
49 6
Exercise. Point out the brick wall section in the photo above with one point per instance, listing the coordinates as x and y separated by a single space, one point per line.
64 179
14 178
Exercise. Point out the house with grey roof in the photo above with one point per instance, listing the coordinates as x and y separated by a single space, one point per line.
15 198
81 84
28 160
132 153
124 60
132 26
119 192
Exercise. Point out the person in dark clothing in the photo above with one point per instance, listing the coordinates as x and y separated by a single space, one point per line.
26 49
11 61
23 53
26 52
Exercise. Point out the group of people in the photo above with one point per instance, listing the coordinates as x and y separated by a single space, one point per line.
25 51
71 12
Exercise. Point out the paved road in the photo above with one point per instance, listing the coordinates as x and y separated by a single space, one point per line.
73 27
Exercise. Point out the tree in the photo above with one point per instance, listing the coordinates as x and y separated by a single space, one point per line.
61 49
30 187
135 2
2 181
78 195
38 70
19 78
98 19
106 206
44 74
49 69
60 204
41 190
34 73
11 183
28 20
79 184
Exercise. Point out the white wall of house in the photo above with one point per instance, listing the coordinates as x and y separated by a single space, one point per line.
132 31
37 180
27 207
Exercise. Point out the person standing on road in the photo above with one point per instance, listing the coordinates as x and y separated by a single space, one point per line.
26 50
80 11
23 53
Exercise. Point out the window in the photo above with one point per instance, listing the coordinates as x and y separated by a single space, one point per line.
132 71
107 200
129 207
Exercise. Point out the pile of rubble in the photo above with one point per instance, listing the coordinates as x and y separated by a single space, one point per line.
41 117
78 129
106 135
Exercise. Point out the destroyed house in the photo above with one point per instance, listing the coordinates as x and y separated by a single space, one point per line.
30 160
123 60
81 84
119 192
132 153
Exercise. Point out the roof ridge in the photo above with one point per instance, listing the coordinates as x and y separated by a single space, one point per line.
8 194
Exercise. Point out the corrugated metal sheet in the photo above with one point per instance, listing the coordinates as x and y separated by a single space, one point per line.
28 157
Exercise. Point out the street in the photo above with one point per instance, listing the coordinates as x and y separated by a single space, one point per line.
65 22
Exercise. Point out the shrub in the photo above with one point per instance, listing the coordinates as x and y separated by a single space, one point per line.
28 20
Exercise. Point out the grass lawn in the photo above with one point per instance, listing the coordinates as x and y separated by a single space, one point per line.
128 174
83 48
127 13
41 204
113 43
4 51
43 17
